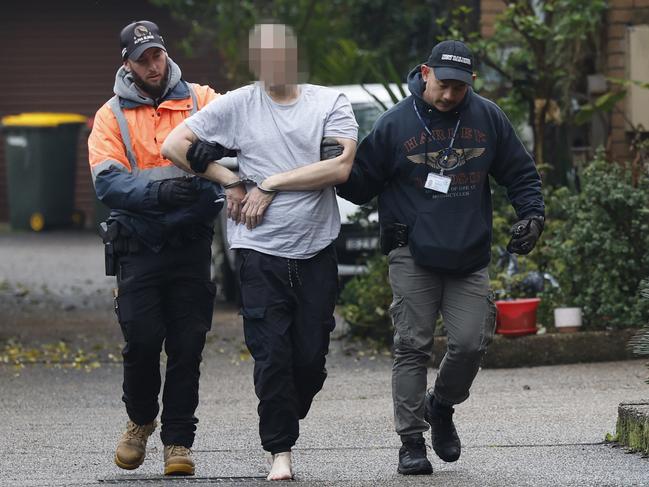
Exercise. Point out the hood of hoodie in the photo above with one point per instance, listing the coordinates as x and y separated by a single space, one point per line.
416 86
126 88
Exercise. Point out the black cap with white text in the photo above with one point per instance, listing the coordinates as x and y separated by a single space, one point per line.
452 60
139 36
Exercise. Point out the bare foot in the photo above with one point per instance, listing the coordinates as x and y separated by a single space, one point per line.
281 468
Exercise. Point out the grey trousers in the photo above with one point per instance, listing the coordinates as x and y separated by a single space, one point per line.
469 316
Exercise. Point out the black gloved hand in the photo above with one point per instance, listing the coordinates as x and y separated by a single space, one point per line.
330 148
525 233
177 192
200 154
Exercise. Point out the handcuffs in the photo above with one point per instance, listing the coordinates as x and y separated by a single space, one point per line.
253 179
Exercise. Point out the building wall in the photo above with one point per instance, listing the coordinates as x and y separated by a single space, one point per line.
489 10
620 15
62 57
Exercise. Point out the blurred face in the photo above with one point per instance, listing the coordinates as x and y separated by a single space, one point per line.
273 54
150 71
444 95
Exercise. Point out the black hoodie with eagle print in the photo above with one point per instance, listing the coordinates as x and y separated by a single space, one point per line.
447 232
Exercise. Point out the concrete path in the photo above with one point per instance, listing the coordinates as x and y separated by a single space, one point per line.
540 426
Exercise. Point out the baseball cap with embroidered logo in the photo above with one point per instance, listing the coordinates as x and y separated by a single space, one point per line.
452 60
139 36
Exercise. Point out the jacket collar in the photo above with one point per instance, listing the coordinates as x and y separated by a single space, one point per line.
130 97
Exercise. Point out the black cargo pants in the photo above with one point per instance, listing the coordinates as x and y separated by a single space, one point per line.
165 297
288 315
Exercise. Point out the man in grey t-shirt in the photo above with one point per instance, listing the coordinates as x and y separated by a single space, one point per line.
283 221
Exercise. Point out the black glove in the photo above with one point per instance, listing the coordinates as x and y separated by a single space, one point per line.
330 148
200 154
177 192
525 233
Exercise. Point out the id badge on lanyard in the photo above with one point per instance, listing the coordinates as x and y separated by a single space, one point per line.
434 181
438 182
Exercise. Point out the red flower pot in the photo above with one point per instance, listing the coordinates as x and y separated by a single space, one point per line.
517 317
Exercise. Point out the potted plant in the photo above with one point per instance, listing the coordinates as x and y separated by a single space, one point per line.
517 303
517 317
567 319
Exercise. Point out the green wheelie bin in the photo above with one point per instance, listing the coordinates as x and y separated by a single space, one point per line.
41 153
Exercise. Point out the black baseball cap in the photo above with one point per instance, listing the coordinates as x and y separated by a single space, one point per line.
139 36
452 60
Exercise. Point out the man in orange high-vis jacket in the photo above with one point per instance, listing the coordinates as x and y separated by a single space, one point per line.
159 234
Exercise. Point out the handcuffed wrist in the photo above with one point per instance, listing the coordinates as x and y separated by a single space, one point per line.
266 190
237 182
258 181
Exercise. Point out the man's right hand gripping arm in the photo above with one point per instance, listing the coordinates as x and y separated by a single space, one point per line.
186 151
368 174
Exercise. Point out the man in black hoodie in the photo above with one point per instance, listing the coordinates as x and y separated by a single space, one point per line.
428 159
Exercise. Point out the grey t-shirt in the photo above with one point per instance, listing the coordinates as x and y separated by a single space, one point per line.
271 138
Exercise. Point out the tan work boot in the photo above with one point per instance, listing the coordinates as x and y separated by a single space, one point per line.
178 460
131 448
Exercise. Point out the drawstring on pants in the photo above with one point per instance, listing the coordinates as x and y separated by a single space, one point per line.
293 270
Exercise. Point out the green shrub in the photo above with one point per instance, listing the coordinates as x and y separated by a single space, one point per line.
601 252
595 244
639 344
365 302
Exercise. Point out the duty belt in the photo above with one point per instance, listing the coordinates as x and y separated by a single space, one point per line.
117 241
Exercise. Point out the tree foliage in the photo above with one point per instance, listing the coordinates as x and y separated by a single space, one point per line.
224 25
539 53
340 39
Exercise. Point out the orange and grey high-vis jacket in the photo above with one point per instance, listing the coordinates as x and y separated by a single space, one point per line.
127 167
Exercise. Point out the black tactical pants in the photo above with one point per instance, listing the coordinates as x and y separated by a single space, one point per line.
288 315
165 297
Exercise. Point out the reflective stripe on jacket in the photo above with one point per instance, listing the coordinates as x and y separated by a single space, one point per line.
127 167
148 127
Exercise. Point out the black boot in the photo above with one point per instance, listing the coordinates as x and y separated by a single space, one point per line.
446 442
412 457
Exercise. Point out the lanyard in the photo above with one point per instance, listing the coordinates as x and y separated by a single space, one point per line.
448 150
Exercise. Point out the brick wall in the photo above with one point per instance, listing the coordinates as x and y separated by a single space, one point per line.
62 57
489 10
